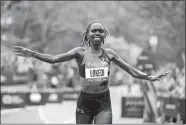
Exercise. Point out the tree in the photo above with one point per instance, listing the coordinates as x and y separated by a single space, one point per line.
168 22
37 24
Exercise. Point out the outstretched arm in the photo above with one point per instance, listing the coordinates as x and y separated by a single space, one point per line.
132 71
47 57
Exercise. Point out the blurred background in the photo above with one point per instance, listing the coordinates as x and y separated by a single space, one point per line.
149 35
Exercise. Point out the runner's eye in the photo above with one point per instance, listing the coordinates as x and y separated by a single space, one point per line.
101 30
95 30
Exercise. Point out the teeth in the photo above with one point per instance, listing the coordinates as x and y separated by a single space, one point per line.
97 37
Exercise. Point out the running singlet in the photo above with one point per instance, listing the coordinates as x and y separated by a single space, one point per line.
95 69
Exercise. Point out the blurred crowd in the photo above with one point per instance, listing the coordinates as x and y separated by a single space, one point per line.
41 74
44 75
174 84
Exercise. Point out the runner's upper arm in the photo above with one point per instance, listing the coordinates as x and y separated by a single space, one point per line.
111 53
118 60
73 53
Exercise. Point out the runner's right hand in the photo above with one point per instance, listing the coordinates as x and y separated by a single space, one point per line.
21 51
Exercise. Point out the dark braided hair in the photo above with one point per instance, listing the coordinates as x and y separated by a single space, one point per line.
84 34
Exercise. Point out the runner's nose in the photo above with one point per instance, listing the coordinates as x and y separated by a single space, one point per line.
97 32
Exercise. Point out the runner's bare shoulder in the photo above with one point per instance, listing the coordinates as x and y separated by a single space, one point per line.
110 52
80 52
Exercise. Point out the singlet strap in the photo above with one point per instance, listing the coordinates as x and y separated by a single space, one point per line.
82 70
104 54
81 60
82 66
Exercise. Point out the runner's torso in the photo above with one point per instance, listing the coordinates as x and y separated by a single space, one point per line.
94 71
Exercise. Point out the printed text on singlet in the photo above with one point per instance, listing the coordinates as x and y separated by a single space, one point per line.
96 71
100 72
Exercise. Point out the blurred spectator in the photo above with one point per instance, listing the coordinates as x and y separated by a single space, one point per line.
54 82
174 84
118 77
146 62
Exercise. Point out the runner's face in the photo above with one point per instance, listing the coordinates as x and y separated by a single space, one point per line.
96 33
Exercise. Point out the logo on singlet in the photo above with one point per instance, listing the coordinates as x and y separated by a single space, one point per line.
105 59
79 110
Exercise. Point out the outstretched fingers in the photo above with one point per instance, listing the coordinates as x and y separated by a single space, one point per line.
156 79
19 54
17 49
166 73
162 75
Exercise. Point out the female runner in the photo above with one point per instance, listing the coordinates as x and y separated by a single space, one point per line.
93 104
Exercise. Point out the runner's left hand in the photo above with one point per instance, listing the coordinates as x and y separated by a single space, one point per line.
158 77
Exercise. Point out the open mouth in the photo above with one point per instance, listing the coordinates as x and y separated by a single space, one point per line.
97 37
